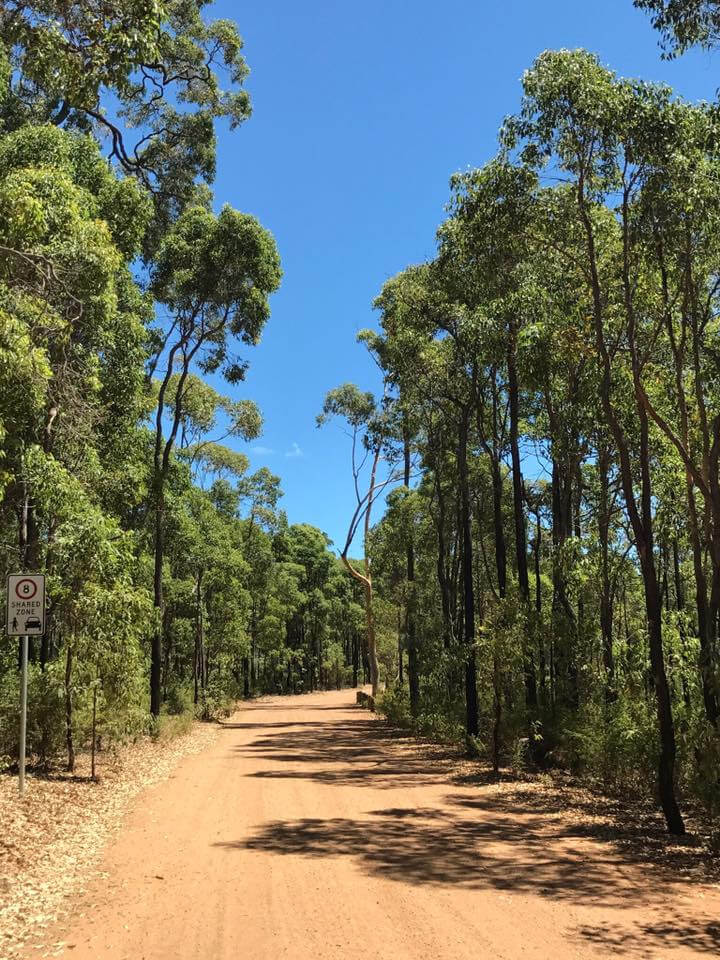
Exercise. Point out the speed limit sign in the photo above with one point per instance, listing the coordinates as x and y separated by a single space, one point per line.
25 607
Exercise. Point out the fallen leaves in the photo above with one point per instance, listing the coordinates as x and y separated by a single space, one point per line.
53 837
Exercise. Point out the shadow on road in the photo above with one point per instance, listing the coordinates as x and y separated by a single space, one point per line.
504 853
676 932
362 752
512 839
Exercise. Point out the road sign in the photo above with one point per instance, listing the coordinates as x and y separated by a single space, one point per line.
24 617
25 608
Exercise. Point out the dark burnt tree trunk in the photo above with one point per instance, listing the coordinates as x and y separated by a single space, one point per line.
69 709
156 642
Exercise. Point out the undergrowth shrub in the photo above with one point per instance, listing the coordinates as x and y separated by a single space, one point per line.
394 704
615 744
168 726
179 699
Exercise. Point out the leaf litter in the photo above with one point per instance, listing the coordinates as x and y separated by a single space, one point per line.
52 839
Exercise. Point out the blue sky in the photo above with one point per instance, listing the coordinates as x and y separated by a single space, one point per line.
361 114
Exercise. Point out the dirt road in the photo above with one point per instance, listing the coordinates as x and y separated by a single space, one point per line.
307 831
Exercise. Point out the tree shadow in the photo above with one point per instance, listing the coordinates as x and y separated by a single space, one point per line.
439 847
366 752
527 834
50 774
513 854
253 705
634 828
703 937
361 752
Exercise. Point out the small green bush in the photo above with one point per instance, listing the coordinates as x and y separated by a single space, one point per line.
394 704
216 707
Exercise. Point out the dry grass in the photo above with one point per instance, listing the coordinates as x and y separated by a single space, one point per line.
51 840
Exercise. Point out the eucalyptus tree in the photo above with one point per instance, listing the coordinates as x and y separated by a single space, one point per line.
308 549
69 228
684 23
72 390
676 219
486 246
401 370
371 442
431 339
561 387
73 324
213 275
403 408
597 129
167 72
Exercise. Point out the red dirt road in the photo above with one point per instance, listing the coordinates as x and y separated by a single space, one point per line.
307 831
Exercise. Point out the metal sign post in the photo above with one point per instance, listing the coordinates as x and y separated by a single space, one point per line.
23 713
24 617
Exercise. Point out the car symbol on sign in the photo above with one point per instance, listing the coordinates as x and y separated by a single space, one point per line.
33 623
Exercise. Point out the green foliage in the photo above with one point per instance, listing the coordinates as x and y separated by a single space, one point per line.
613 744
573 328
684 23
170 72
227 266
394 704
167 727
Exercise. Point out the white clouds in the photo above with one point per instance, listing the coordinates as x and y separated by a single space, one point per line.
294 452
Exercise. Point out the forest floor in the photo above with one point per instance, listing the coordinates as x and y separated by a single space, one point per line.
308 828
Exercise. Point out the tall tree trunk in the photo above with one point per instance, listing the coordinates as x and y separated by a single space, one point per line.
666 768
246 677
707 625
640 518
201 632
519 514
499 526
442 565
606 580
411 627
472 724
366 581
156 648
563 614
537 548
680 607
497 713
